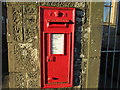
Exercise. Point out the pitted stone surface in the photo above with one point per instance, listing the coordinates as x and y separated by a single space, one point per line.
20 80
26 57
25 42
17 23
34 83
24 80
30 9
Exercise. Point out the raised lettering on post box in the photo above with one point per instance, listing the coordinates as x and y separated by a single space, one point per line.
57 26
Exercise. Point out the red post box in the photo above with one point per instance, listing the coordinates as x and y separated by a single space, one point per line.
57 26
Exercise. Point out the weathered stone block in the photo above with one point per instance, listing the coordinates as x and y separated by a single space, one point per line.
21 80
30 9
34 83
14 33
23 57
17 80
30 28
30 20
30 34
33 75
94 63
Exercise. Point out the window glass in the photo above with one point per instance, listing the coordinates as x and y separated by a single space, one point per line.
107 3
107 12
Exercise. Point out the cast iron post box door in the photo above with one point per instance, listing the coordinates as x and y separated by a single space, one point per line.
57 46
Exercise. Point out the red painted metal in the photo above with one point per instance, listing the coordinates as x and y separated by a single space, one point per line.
56 69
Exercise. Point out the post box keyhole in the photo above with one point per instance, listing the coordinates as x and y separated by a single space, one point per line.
48 60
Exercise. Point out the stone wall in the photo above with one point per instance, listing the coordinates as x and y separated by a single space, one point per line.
23 46
23 42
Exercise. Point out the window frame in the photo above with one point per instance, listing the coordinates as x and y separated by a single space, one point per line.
114 6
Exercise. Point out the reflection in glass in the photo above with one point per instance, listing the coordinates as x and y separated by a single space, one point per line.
107 2
107 12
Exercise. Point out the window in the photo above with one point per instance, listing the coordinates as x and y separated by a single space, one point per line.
110 12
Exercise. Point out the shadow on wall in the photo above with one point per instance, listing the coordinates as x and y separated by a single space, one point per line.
4 47
4 43
111 38
77 49
113 59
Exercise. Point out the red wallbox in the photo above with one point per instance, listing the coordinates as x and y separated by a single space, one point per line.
57 26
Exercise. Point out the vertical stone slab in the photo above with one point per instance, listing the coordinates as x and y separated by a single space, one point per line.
30 22
85 45
30 28
15 21
11 58
91 45
95 38
22 36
